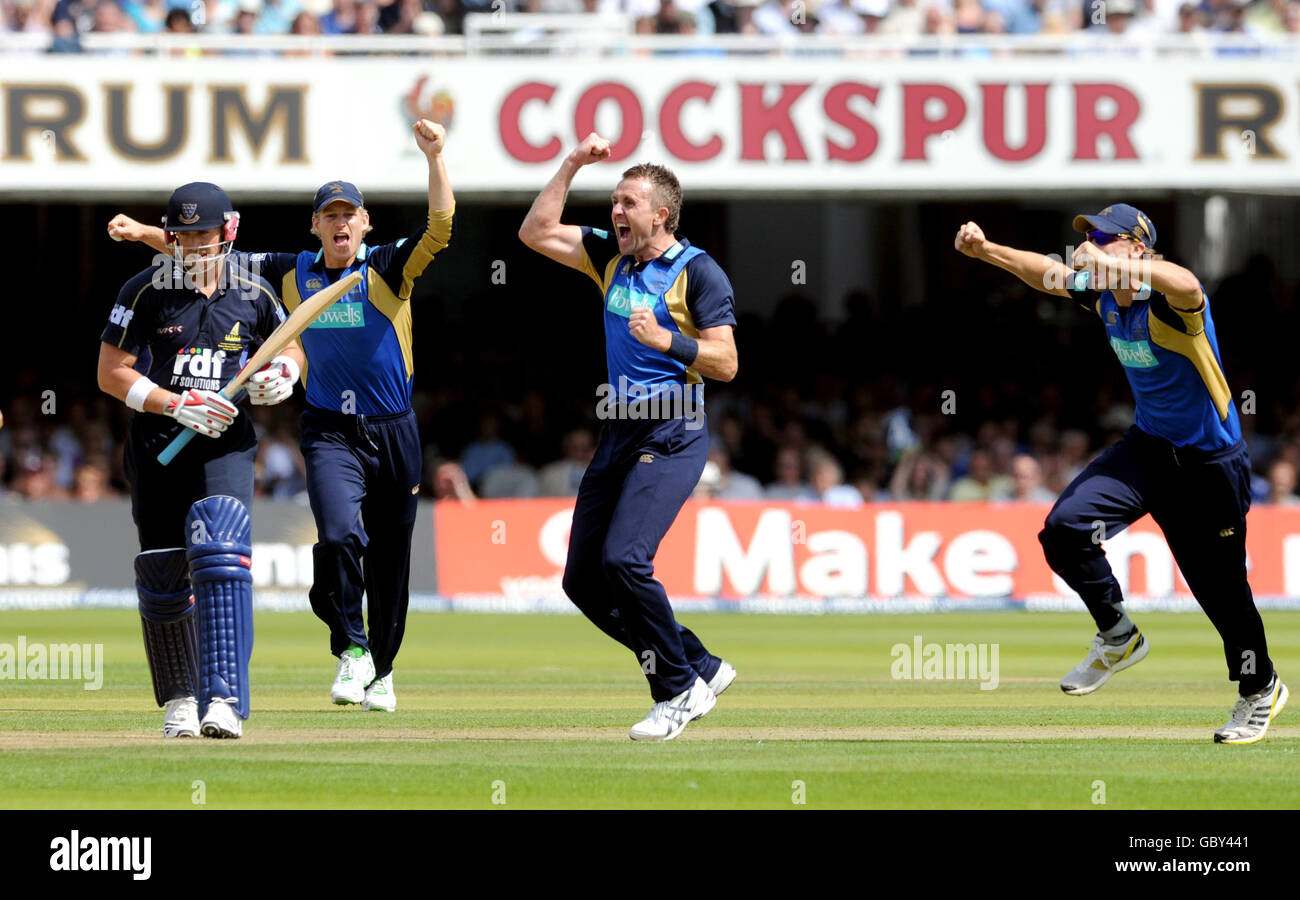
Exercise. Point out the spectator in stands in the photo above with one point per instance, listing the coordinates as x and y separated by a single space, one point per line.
906 18
839 17
1190 18
178 21
1027 481
487 450
1282 483
777 17
721 482
981 483
1291 17
28 16
91 481
789 484
111 19
35 481
342 19
828 481
448 482
148 15
1119 15
277 16
919 476
562 477
871 13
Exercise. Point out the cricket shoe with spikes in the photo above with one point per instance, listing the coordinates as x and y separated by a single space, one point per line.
667 718
1252 715
1104 660
380 696
221 721
356 669
181 719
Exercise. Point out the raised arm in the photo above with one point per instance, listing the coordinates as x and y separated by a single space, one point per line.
124 228
542 230
431 137
1042 273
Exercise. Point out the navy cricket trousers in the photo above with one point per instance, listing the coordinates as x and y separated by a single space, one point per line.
363 479
1199 500
161 496
641 474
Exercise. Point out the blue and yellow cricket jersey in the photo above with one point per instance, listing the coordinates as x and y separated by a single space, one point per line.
1171 359
687 291
358 350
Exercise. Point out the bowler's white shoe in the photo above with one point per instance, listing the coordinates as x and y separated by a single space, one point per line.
722 679
380 696
1252 715
667 718
356 669
220 721
1104 660
182 718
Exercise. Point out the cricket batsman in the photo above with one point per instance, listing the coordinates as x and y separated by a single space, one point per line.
179 330
1184 461
669 316
359 436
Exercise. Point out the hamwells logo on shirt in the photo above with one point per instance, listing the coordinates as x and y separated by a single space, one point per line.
1134 354
341 315
621 300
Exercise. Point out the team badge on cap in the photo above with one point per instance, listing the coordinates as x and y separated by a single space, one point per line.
189 213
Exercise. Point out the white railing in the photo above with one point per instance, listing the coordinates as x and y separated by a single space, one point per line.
610 36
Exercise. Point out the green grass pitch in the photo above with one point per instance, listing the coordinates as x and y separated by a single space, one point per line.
526 712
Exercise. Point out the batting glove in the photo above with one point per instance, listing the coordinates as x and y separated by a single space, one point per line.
206 412
273 382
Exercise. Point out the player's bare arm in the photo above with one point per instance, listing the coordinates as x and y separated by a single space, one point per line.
431 137
717 357
124 228
542 230
1181 287
206 412
1040 272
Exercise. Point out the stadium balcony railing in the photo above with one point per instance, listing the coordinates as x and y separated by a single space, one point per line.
513 34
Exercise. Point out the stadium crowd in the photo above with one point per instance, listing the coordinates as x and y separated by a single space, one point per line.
842 413
65 20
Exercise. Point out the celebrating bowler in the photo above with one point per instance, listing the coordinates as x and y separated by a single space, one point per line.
669 318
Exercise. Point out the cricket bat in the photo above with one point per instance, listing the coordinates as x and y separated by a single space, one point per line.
282 337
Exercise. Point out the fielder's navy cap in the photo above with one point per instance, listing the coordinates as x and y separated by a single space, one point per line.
337 190
197 206
1120 218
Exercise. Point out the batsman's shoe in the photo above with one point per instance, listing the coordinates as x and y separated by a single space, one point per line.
668 717
221 721
182 718
1252 715
722 679
380 696
356 670
1104 660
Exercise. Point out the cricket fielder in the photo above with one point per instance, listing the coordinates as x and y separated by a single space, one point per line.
669 318
1184 461
359 435
179 331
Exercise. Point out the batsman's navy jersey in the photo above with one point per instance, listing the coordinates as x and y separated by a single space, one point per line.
1171 359
183 340
683 285
358 350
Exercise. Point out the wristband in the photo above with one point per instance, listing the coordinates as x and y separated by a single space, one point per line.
139 393
683 349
